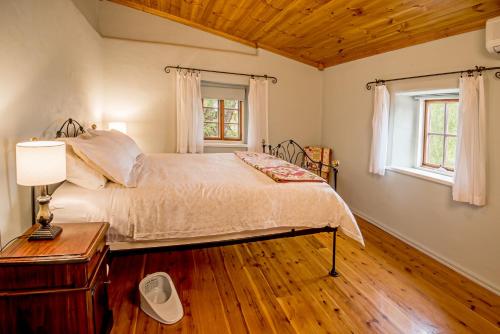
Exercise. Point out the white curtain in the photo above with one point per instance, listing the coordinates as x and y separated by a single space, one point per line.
470 167
380 130
189 113
257 114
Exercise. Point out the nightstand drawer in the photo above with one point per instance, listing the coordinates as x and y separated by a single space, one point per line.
45 276
57 286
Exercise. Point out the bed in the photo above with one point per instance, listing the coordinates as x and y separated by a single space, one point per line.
200 200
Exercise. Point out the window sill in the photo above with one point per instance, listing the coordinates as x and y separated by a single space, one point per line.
423 174
224 144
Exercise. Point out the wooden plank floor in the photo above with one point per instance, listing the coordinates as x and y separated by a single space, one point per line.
282 286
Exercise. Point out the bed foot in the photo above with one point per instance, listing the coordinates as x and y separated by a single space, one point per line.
334 272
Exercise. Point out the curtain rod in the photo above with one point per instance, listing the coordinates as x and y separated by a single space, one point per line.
265 76
469 72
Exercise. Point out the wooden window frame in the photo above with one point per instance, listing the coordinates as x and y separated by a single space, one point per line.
221 123
445 134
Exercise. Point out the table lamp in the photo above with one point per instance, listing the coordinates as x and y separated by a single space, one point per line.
40 163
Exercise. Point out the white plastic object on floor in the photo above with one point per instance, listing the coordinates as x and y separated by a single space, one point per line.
159 299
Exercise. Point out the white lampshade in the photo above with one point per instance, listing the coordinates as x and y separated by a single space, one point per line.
40 163
118 126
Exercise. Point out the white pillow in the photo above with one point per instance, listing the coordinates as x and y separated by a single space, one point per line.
120 138
81 174
111 153
78 172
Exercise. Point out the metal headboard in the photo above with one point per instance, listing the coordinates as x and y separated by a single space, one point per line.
291 151
70 128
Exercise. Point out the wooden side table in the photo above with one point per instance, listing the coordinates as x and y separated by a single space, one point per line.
56 286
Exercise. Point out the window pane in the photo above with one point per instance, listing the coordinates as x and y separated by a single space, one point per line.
232 131
452 108
231 116
211 130
436 117
211 115
451 148
435 149
232 104
212 103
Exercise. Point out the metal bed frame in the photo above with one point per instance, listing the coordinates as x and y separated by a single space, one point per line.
288 150
291 151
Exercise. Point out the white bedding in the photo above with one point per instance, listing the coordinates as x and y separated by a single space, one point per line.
182 196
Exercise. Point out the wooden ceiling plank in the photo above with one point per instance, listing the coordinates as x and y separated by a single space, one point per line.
217 12
356 26
185 9
259 14
344 22
237 15
207 12
356 37
415 28
175 6
347 41
285 26
362 52
245 20
258 31
358 30
320 19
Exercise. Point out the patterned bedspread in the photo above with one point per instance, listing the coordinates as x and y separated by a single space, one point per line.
277 169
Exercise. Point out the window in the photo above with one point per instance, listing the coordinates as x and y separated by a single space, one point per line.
222 119
440 134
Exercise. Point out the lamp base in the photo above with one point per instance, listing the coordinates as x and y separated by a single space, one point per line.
48 232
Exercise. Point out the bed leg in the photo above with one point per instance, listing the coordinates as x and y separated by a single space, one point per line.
334 272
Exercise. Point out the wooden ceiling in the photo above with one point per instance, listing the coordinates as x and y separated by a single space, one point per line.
324 33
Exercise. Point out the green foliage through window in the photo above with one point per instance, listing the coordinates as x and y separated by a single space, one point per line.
222 119
440 137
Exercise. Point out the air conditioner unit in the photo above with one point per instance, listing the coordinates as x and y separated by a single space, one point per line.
493 35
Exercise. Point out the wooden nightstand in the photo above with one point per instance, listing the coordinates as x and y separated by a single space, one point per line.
56 286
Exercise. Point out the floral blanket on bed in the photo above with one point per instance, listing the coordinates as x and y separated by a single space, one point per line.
277 169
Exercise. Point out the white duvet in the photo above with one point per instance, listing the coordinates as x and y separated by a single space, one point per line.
197 195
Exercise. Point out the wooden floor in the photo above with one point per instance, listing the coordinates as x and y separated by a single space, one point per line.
281 286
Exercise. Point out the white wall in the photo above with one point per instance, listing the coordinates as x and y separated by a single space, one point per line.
421 211
50 65
90 10
139 92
